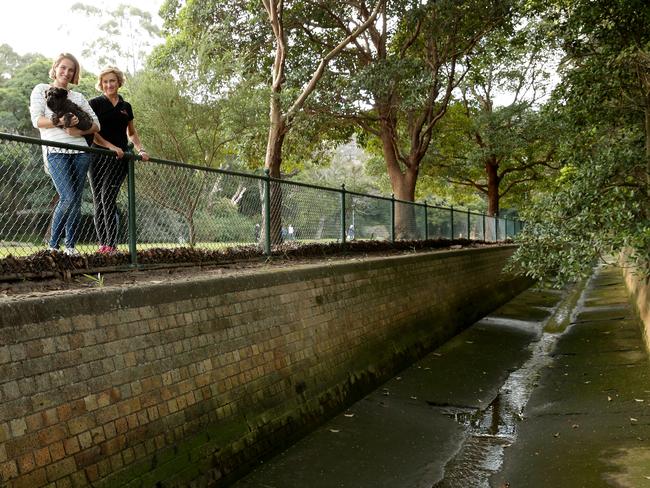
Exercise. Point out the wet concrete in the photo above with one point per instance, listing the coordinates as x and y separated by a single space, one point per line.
551 390
432 423
587 424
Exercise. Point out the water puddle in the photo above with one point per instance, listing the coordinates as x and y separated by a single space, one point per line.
492 430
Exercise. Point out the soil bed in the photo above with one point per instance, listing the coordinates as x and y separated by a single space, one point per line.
48 271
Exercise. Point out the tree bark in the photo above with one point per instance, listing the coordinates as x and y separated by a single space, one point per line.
647 153
402 181
277 132
493 180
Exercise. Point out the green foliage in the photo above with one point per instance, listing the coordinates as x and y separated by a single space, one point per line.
600 204
593 210
19 76
172 125
126 34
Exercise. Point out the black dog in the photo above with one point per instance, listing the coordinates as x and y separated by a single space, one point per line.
64 109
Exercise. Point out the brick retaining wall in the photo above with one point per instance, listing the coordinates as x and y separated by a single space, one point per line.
185 383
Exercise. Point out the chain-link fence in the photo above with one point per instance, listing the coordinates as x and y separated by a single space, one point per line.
86 200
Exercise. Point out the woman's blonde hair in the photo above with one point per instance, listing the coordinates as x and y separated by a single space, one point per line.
110 69
77 67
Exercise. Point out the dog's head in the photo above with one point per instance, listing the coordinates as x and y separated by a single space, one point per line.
55 96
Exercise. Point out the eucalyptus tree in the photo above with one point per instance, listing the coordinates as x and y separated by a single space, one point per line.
396 81
497 139
126 36
18 76
261 35
261 40
599 205
178 128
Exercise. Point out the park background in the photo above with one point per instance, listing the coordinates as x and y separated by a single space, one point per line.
538 110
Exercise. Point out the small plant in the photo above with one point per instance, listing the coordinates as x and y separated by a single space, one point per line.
95 280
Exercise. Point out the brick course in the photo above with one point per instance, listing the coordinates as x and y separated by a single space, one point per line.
179 381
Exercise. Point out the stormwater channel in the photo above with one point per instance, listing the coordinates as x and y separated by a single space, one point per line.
444 422
492 430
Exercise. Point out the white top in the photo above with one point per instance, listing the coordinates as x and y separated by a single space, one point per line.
38 107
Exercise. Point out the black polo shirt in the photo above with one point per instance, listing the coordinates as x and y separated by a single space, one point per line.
113 119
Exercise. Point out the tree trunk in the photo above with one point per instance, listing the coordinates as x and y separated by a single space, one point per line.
647 154
277 132
402 181
493 180
404 189
191 228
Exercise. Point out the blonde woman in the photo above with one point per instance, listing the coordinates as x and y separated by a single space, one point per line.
66 167
107 174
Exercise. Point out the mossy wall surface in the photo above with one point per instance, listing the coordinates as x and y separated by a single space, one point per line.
187 383
639 288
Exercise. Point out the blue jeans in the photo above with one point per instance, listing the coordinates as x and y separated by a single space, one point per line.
68 173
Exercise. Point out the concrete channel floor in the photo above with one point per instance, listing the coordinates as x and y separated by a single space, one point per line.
588 422
461 417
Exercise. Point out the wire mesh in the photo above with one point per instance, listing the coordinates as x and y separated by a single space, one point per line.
30 205
308 214
476 231
460 224
439 223
409 221
178 205
370 217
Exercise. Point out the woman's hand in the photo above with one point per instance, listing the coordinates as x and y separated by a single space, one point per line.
73 130
118 151
144 155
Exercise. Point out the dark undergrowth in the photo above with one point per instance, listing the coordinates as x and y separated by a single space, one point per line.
52 264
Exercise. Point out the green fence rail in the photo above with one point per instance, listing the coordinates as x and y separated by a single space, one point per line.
171 204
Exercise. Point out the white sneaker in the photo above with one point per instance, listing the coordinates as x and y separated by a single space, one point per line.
53 249
71 251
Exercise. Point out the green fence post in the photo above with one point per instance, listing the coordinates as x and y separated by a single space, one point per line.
506 232
392 217
451 222
468 223
426 221
484 231
267 211
130 185
343 214
496 227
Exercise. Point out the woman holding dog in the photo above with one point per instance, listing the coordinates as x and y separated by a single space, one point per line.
66 167
107 174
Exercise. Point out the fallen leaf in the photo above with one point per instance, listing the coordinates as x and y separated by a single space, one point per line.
632 419
335 431
469 342
557 434
348 414
436 354
609 398
414 398
639 400
398 378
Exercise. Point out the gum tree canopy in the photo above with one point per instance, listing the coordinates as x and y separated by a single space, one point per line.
600 203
